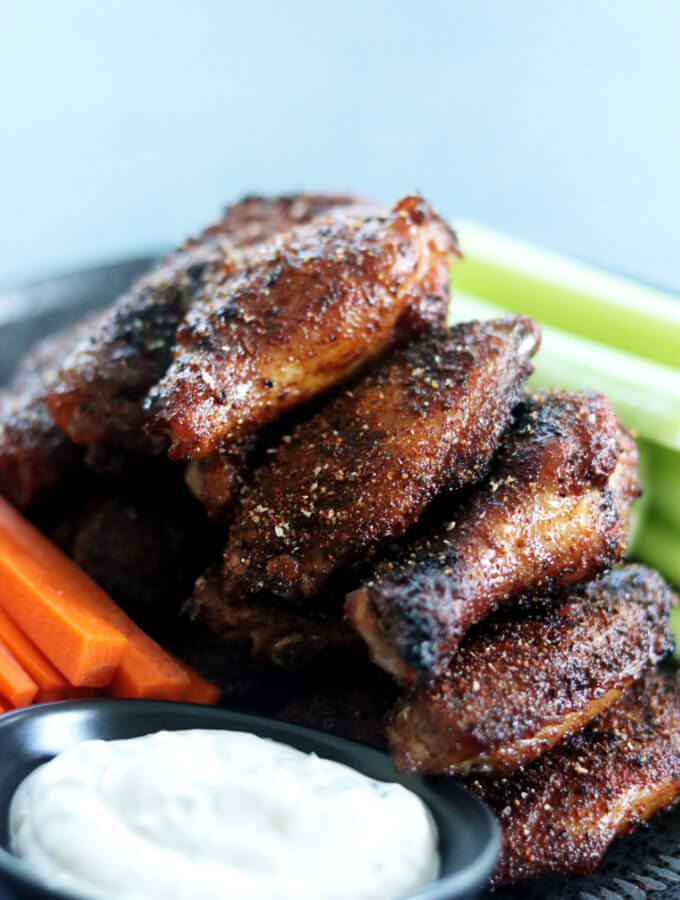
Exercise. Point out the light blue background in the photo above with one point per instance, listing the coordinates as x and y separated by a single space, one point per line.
125 125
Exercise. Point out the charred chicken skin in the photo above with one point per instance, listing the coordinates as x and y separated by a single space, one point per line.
553 512
303 311
98 396
533 676
562 812
361 471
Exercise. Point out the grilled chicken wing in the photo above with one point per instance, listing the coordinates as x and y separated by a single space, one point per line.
364 468
523 682
275 635
562 812
553 512
34 453
98 396
304 312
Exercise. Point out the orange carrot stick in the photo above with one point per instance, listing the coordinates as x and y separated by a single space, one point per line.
55 603
4 706
51 683
142 668
200 689
15 684
146 670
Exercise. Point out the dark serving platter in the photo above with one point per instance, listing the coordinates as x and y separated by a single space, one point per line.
644 865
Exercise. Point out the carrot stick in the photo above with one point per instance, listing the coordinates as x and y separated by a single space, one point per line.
4 706
55 603
15 684
51 683
146 670
200 689
73 621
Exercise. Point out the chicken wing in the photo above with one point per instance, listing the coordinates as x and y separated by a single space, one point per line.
306 310
523 682
562 812
34 453
275 635
365 467
553 512
98 396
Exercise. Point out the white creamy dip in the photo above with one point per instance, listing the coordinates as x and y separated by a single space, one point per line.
217 814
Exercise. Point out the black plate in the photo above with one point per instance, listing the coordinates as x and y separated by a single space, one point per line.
645 865
468 834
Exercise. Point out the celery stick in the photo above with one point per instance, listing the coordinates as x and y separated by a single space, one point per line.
675 628
658 545
664 482
645 394
641 509
638 516
569 295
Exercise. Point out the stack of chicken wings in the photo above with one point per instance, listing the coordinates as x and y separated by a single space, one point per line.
274 453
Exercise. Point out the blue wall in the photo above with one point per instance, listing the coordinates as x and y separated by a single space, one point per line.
126 125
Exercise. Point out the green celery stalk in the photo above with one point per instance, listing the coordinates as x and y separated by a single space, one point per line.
645 394
658 545
641 509
568 295
675 628
664 480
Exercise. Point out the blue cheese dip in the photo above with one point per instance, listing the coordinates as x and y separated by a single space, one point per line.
217 814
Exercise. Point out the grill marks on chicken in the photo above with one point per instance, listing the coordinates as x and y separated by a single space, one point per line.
362 470
277 636
536 674
303 312
562 812
34 454
553 512
98 396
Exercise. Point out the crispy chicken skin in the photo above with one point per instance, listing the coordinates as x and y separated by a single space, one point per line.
98 396
562 812
521 683
275 635
34 453
362 470
306 309
553 512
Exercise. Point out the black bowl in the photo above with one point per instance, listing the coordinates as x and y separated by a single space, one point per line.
469 838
